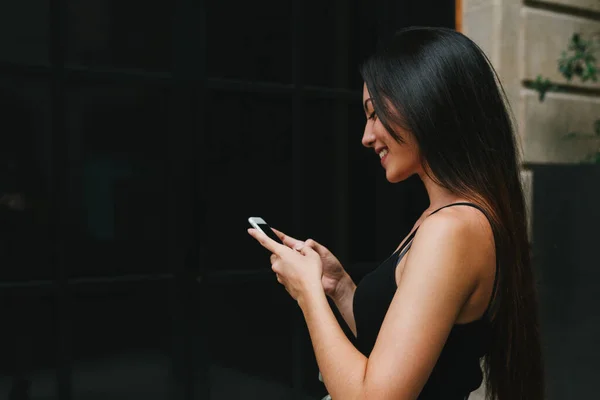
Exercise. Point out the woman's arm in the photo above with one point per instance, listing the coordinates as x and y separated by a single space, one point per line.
344 300
336 282
441 272
340 363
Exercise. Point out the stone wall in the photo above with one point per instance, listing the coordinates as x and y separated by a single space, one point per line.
524 38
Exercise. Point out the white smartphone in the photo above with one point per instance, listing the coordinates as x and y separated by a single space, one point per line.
260 224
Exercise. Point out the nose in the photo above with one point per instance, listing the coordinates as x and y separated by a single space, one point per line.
368 136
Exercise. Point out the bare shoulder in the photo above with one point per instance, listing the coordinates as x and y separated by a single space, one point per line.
459 233
459 225
441 285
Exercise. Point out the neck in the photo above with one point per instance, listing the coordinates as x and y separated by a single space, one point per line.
438 196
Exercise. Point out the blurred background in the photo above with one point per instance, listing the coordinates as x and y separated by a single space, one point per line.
138 137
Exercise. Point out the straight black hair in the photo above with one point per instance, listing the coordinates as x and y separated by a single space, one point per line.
438 85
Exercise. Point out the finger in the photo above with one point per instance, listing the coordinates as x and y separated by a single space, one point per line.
309 252
275 267
313 244
278 278
267 242
287 240
273 258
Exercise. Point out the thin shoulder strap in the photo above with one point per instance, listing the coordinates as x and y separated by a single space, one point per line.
405 249
463 204
494 287
407 242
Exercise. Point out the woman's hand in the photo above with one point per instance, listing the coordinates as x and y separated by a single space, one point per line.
333 272
300 270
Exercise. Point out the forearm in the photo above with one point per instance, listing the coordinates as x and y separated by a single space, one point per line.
344 301
341 364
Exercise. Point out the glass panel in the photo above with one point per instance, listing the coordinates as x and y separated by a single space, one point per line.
341 34
363 172
28 348
120 33
322 125
24 27
329 134
117 182
257 359
247 145
565 222
24 191
122 340
250 39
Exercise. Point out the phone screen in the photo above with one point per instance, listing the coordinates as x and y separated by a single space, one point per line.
263 226
269 232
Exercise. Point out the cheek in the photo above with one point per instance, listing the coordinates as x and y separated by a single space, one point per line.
406 158
381 132
404 152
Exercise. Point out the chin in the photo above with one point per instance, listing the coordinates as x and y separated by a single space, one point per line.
397 176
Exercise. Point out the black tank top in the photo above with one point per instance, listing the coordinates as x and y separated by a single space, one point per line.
457 372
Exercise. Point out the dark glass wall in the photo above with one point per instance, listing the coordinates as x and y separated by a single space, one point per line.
137 139
565 240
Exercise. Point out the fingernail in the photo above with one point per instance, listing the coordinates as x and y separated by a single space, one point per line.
299 246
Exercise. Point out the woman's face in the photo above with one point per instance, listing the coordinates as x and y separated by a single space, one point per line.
400 160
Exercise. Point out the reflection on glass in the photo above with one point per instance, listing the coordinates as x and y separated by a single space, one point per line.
28 348
330 42
122 342
250 334
342 34
120 33
248 163
250 39
118 139
100 177
23 189
24 31
324 124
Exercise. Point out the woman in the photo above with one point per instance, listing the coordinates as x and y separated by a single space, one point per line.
460 287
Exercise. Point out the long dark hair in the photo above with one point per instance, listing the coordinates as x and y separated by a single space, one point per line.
438 85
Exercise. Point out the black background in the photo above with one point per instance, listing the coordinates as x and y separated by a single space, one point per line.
142 135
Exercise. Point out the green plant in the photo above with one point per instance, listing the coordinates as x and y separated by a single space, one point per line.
578 61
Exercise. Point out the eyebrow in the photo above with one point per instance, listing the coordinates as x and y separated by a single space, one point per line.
365 105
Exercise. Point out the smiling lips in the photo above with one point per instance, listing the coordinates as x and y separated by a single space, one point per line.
382 153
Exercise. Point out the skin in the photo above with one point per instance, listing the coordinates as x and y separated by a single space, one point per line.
336 282
445 279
